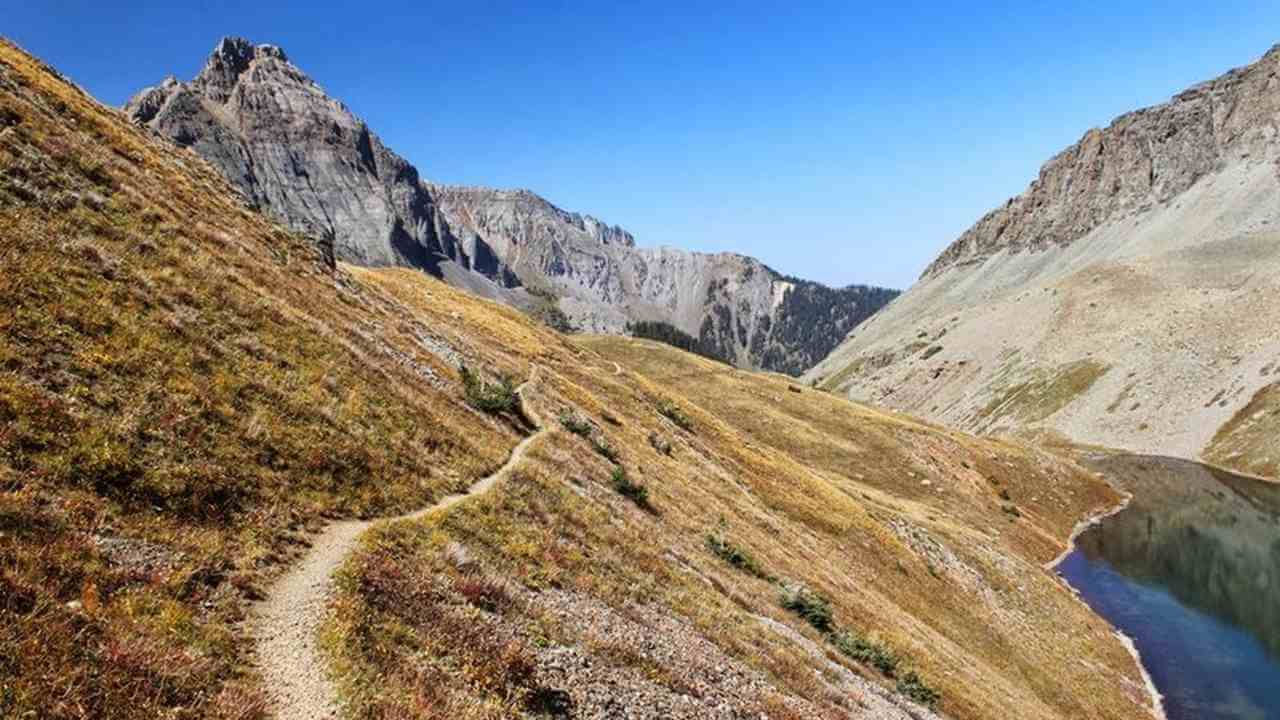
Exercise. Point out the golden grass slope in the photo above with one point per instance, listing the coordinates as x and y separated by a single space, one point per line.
908 529
185 389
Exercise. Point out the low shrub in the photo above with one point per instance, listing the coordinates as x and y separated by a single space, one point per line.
483 593
660 443
575 423
809 605
734 555
672 412
635 492
858 648
493 398
602 446
912 686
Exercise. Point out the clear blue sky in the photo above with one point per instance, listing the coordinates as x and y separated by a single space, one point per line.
834 141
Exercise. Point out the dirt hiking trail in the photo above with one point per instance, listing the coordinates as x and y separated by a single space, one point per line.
285 626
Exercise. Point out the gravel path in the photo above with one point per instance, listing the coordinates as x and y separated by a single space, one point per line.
285 625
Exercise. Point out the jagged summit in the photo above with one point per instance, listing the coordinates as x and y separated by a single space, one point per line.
229 60
305 158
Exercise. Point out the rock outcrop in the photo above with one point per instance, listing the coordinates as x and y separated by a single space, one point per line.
1141 161
306 159
1131 297
297 152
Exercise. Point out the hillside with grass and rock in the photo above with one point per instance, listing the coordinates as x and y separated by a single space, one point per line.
1128 298
202 415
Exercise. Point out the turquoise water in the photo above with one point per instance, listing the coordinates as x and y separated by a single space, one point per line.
1194 579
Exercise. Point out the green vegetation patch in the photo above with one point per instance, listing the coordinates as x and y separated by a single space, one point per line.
863 650
494 398
1247 442
736 556
633 491
605 449
673 412
912 686
1043 393
575 423
811 606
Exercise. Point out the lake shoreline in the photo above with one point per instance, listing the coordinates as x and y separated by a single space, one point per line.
1094 520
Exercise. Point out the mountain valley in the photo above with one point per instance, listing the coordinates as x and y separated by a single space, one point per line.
193 396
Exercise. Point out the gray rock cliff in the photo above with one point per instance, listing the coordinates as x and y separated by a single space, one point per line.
1142 160
305 158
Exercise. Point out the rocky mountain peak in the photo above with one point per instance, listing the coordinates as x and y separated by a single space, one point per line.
230 60
304 157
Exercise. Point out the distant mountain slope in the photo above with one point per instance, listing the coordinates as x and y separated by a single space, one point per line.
308 160
1130 297
188 390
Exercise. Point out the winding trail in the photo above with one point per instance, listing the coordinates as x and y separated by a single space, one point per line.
285 626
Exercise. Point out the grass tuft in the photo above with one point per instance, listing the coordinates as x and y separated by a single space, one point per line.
638 494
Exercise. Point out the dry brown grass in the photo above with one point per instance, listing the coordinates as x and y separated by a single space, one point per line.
178 373
1248 442
813 486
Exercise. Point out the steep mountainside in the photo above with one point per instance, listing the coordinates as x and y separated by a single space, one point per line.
312 164
188 390
1130 297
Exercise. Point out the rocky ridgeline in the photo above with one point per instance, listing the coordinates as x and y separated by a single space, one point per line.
1127 299
305 158
1141 160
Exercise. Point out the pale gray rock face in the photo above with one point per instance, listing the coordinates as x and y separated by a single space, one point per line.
1130 298
305 158
1141 160
302 155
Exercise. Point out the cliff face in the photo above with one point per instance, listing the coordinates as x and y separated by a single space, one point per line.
302 156
1143 159
1128 298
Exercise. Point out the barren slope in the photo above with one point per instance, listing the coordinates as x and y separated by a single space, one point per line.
1130 298
309 161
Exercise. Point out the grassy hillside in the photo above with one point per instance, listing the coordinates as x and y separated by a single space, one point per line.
928 545
186 389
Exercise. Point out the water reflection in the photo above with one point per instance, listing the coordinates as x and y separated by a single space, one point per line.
1192 572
